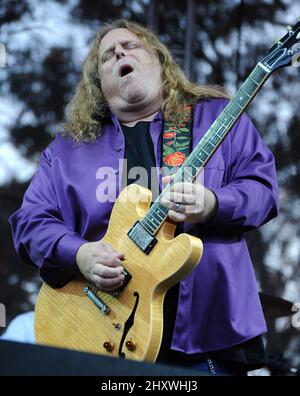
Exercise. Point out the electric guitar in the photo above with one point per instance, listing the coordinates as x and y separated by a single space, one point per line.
128 322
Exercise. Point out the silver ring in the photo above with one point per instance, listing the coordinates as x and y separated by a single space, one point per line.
177 206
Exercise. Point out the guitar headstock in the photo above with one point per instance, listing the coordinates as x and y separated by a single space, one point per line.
286 51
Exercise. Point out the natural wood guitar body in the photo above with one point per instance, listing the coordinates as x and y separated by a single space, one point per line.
133 328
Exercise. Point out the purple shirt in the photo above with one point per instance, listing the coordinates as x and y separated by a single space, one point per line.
218 304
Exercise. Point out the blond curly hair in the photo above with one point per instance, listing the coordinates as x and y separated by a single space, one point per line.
86 112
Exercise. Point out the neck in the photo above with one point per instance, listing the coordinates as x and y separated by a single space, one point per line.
130 114
135 121
130 118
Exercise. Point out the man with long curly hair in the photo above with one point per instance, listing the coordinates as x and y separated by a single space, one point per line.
130 84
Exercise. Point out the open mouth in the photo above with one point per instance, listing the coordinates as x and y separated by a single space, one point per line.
124 70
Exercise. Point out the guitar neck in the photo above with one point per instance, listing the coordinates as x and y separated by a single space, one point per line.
212 139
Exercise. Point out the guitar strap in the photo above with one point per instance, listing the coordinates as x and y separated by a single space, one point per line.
177 140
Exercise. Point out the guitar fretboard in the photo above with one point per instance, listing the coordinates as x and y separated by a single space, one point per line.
212 139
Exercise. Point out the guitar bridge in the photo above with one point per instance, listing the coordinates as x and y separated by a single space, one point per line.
142 238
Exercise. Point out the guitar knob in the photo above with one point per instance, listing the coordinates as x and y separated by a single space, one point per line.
130 344
108 346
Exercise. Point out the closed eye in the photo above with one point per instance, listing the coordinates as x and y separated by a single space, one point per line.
126 45
107 56
132 45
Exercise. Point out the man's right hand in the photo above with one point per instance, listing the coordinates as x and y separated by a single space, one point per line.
101 264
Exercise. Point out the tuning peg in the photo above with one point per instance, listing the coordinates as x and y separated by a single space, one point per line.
290 29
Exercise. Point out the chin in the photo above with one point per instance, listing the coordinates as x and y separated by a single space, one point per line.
133 91
134 95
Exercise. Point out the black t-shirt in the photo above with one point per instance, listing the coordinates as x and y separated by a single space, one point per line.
139 152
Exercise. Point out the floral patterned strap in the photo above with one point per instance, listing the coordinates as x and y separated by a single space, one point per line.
177 140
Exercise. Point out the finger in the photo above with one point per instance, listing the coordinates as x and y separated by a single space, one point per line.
175 206
120 256
107 284
184 188
107 272
176 197
168 204
166 179
178 217
110 261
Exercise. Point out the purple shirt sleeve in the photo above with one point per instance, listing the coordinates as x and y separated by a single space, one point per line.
250 196
41 237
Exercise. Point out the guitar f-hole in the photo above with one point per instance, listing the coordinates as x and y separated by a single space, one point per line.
128 324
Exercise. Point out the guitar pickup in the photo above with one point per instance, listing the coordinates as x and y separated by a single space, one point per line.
142 238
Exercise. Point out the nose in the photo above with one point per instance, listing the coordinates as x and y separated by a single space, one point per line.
119 51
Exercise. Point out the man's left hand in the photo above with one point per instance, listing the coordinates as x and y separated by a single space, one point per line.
189 202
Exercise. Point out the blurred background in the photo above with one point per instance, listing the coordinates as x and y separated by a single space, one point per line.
42 48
